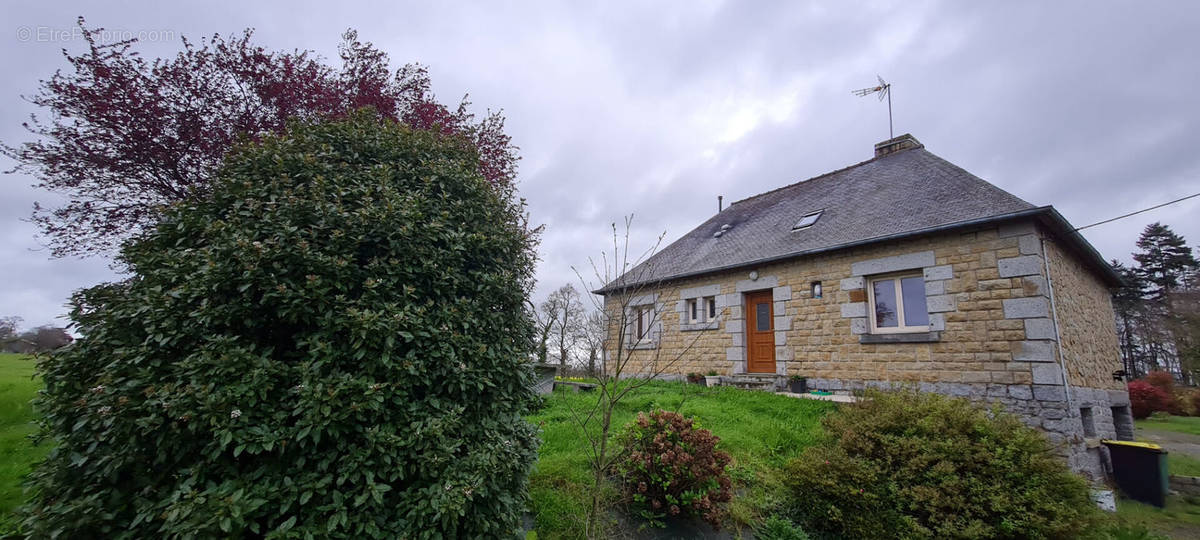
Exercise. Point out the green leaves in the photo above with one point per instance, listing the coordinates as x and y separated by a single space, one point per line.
909 464
292 356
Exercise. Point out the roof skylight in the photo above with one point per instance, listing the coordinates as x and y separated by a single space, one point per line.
807 221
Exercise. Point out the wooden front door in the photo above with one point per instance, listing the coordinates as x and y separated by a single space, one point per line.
760 333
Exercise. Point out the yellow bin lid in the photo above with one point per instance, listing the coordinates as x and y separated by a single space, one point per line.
1147 445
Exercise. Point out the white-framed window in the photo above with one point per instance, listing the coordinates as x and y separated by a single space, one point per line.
897 304
644 318
700 310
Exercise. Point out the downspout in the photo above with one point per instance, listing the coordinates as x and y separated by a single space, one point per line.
1062 357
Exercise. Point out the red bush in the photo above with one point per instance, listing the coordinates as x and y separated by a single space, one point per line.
674 468
1164 381
1161 379
1145 398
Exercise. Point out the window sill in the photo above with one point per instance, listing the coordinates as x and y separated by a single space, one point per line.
645 345
695 327
915 337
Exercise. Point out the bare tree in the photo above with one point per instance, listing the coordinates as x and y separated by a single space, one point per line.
564 309
8 328
48 338
593 333
544 319
631 311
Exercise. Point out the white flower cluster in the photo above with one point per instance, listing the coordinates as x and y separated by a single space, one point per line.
235 413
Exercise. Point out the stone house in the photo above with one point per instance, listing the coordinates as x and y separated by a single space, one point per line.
901 270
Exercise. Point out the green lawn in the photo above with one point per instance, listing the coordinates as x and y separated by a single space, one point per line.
1180 518
17 453
760 431
1178 424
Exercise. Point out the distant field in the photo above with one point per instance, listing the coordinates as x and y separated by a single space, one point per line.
17 453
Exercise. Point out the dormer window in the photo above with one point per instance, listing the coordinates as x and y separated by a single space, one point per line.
807 221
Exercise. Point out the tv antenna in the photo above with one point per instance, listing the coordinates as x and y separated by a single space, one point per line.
884 90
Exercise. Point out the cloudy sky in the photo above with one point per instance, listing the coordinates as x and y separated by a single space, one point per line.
656 108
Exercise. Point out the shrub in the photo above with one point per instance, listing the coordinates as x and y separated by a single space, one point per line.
1145 399
332 344
777 528
1161 380
1166 382
1191 401
673 468
695 378
911 465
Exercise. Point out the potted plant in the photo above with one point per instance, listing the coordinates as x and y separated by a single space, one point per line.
798 384
695 378
712 379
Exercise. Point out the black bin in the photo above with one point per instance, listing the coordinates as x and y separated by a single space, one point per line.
1140 470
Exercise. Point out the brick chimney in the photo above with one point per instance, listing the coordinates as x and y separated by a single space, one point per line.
897 144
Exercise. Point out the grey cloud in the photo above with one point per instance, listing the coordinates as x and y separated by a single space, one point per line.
655 109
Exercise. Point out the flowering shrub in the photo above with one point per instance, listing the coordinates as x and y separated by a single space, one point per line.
332 344
912 465
674 468
1161 380
1145 398
1174 404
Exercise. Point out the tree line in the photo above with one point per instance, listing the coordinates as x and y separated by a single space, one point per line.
1158 308
44 338
571 332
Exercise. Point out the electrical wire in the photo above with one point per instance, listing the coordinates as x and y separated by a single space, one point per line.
1138 212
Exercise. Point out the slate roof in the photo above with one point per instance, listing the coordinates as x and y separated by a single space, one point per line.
905 192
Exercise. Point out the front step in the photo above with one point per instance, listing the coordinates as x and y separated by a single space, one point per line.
766 382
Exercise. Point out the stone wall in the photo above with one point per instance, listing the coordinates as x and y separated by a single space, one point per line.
991 334
1089 334
988 315
1040 406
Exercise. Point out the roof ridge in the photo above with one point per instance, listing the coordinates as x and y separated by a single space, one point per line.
817 177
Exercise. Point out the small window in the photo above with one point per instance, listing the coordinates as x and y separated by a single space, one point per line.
1123 422
711 302
807 221
693 310
897 304
643 321
1089 422
816 289
762 317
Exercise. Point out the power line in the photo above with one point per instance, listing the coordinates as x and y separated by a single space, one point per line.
1139 211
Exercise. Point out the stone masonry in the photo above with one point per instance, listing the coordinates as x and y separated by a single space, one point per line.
1014 318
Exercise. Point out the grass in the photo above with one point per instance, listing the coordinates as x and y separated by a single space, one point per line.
1183 465
1177 463
1179 424
17 453
1180 518
761 431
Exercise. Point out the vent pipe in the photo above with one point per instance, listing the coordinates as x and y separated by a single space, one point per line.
720 205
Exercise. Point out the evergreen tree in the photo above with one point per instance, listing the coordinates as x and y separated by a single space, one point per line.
1164 261
332 345
1128 304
